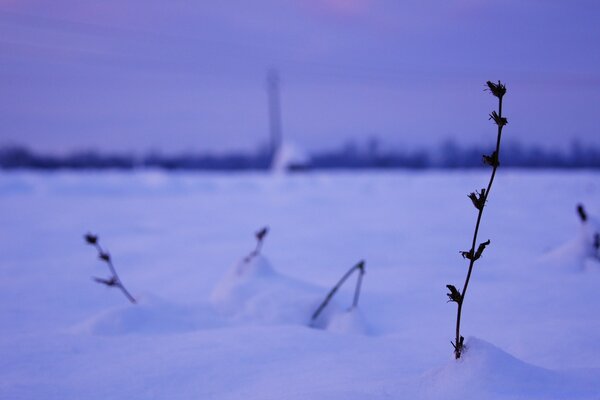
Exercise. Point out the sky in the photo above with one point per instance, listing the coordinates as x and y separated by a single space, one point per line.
182 76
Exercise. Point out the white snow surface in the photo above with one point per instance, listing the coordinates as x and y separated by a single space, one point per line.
211 325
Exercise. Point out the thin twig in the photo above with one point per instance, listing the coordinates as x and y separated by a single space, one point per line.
361 272
260 236
114 280
361 268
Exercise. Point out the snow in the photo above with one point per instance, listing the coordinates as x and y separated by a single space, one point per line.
153 315
486 369
252 291
213 324
579 253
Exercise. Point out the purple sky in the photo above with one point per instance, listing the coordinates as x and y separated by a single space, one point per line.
174 76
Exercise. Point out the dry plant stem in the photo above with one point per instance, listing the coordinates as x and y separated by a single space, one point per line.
260 236
458 345
361 268
258 247
113 271
361 272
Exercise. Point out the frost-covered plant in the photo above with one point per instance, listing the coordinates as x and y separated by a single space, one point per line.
260 236
479 199
360 267
113 280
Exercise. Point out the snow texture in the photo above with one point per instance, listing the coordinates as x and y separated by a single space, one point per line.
252 291
201 330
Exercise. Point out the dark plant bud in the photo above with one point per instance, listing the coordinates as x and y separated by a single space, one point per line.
480 249
491 160
500 121
581 212
91 239
262 233
454 294
478 199
497 89
467 254
112 281
361 266
474 199
104 256
597 241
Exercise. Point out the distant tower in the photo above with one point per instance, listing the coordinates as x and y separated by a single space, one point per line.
274 110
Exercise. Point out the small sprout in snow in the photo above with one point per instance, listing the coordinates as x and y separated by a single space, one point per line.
113 280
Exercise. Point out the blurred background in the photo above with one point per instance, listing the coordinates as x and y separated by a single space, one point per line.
318 83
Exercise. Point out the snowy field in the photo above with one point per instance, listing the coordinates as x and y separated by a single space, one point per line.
209 326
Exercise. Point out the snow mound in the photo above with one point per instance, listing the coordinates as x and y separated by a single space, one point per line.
253 292
485 371
577 254
351 321
151 315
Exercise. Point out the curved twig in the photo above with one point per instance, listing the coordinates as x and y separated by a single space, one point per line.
361 268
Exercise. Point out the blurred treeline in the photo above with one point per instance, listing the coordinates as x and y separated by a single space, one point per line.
447 155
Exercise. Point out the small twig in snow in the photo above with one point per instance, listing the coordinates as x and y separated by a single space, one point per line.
113 280
360 267
260 236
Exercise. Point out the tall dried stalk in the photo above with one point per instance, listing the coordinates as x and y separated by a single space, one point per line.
479 200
